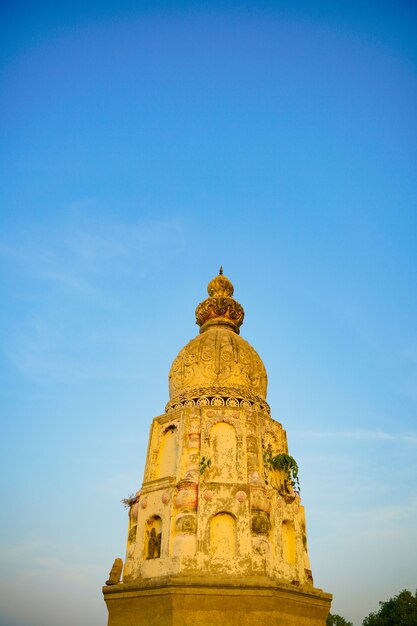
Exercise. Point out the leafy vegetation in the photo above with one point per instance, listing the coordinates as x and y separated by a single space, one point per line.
285 463
129 501
398 611
337 620
204 464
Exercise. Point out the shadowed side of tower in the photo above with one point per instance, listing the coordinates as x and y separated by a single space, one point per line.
217 533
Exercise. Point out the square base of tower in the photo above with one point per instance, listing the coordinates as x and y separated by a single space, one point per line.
205 602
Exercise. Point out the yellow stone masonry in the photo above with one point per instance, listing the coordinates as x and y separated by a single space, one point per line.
211 508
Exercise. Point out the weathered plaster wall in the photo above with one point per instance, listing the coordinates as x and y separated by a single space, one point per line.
218 507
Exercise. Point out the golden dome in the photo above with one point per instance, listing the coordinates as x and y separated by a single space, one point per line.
218 366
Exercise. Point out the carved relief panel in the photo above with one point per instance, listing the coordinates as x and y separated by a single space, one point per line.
153 538
223 445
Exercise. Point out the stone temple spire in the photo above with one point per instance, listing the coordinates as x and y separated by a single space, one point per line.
217 533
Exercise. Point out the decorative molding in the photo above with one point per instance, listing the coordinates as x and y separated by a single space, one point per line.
214 396
218 420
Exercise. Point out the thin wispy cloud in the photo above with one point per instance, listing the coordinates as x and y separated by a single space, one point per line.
359 435
28 548
41 557
76 257
76 281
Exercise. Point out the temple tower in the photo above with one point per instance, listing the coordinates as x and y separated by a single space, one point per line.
217 533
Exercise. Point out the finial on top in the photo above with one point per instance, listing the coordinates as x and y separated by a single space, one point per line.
220 286
220 309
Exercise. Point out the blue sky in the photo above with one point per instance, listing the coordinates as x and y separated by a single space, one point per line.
142 148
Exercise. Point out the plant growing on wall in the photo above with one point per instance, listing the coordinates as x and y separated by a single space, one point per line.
286 464
204 464
129 501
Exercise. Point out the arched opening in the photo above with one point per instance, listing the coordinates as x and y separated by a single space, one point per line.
223 536
167 455
153 538
288 542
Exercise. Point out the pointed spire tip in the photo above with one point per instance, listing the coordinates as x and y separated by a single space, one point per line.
221 270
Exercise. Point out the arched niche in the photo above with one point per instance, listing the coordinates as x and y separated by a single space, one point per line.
223 446
167 454
288 542
153 538
223 536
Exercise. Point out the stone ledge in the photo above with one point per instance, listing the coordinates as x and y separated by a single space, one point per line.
180 601
255 583
175 601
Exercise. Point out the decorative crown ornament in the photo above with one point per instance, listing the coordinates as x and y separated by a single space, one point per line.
218 367
220 309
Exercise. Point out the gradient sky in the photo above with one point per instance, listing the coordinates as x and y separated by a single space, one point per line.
142 148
